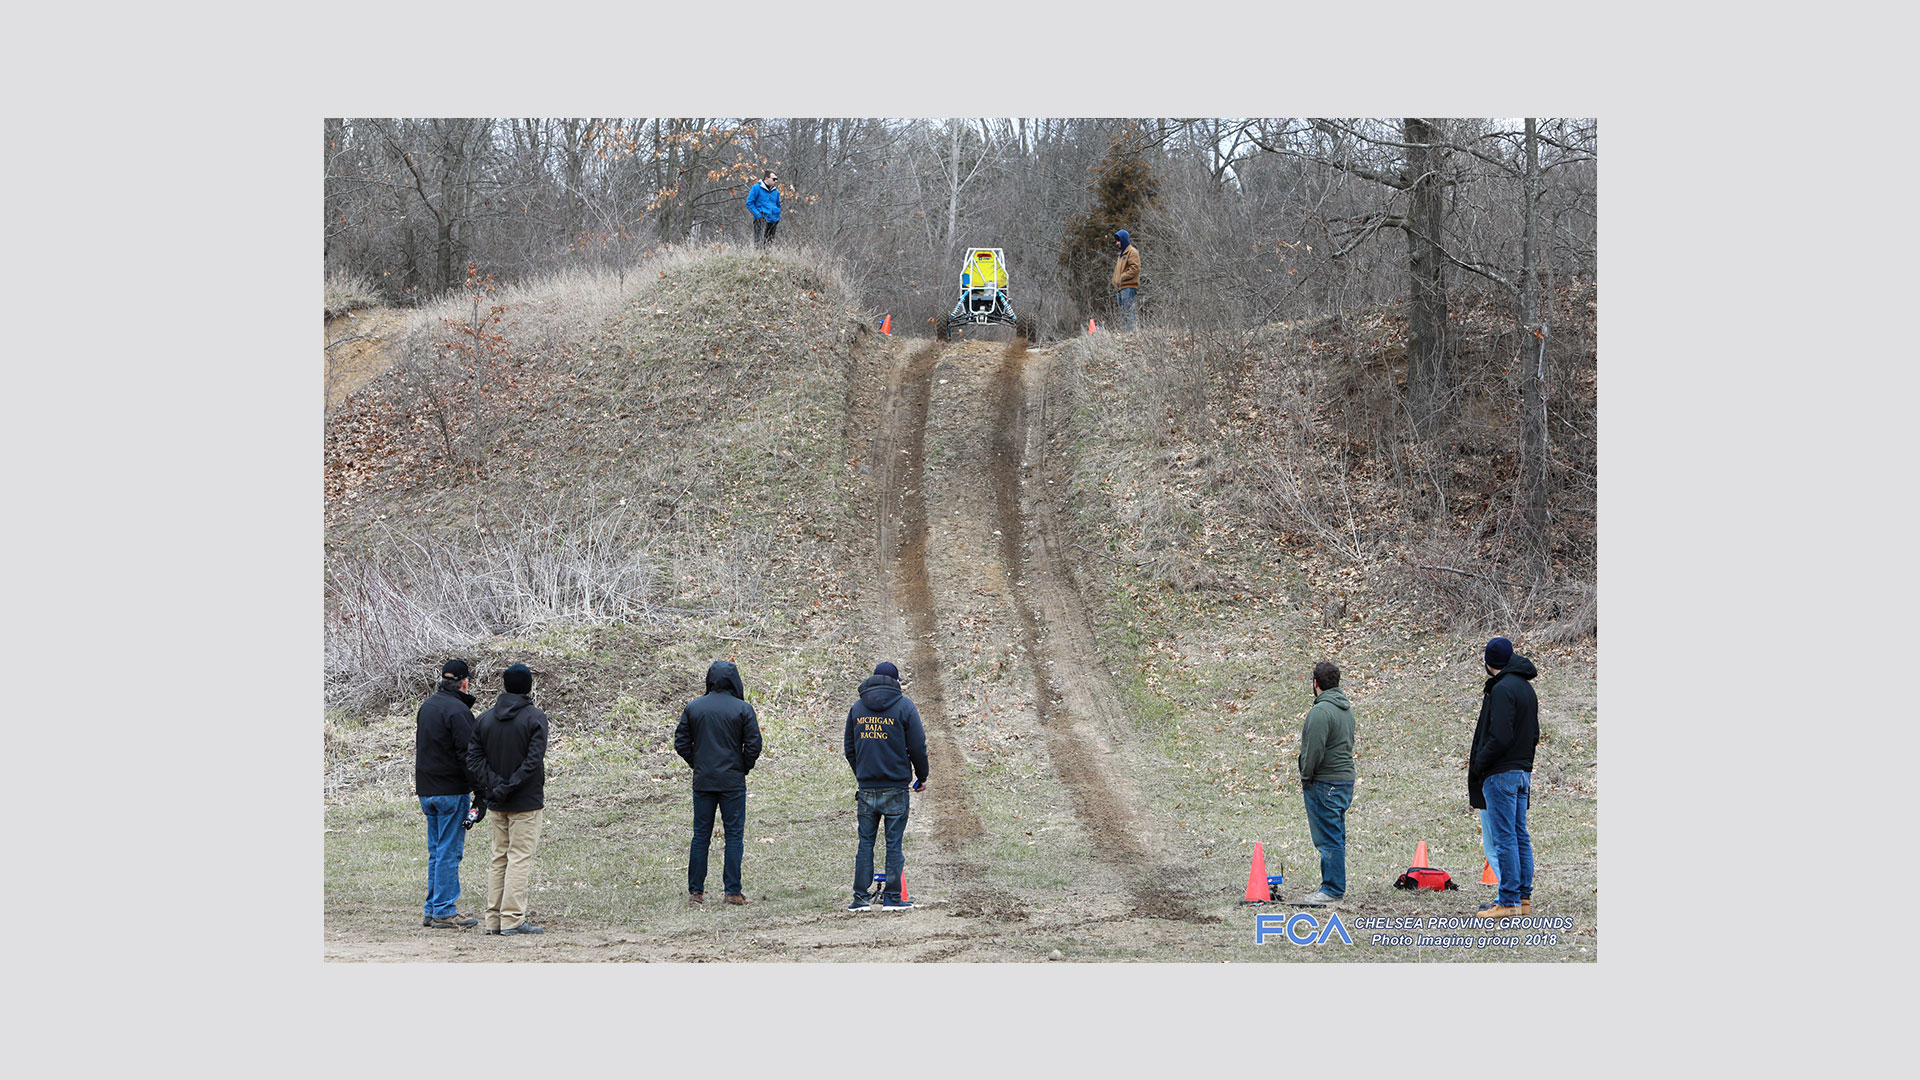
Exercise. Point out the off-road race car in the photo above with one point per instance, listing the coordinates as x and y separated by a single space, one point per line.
983 294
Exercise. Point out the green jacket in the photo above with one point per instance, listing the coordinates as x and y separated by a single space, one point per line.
1326 741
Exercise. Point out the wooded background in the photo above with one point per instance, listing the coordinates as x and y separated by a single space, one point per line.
1239 221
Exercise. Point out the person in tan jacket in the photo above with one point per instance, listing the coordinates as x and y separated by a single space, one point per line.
1126 278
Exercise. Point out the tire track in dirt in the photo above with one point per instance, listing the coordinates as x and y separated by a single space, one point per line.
902 480
1072 737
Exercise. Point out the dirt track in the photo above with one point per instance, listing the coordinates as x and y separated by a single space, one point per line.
978 574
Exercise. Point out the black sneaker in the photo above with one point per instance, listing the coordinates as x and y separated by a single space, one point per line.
453 922
893 903
525 928
860 904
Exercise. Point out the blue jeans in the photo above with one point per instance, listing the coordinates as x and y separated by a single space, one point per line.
1486 840
733 815
446 845
1327 821
1507 795
1129 317
875 803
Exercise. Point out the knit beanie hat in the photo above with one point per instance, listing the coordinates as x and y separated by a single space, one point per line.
454 670
1499 652
885 667
517 679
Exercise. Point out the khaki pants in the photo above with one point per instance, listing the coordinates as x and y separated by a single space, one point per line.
514 838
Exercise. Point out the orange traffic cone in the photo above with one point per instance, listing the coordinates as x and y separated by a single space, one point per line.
886 326
1487 876
903 884
1257 892
1090 327
1420 854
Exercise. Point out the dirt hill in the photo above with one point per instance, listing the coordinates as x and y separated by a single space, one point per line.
1075 554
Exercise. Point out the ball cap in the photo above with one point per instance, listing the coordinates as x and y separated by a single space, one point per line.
455 669
1499 652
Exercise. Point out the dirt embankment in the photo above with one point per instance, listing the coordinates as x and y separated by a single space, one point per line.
360 346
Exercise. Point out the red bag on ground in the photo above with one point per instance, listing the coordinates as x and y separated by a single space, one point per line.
1424 877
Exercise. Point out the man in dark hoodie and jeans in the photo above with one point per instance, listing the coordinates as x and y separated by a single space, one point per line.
719 736
442 730
508 757
1500 771
886 746
1326 780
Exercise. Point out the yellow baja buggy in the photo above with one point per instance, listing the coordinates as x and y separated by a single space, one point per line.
983 294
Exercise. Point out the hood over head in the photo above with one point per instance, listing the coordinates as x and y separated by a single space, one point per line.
1122 236
1520 666
879 692
723 677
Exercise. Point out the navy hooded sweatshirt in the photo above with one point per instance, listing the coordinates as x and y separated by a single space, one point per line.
885 743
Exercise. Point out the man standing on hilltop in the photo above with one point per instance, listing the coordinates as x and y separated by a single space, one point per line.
1326 779
508 755
763 202
886 746
442 729
719 737
1500 771
1126 279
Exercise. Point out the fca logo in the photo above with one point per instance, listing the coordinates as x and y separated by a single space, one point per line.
1299 928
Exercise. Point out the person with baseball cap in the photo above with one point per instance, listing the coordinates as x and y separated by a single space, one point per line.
1500 772
442 729
886 746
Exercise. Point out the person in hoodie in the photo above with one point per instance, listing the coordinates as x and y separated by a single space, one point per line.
886 747
763 202
1500 772
719 736
1126 278
508 758
442 729
1326 779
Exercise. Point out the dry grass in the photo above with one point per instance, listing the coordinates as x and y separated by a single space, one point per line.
1181 473
347 291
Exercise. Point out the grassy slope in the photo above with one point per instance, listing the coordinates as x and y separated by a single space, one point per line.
1209 628
716 399
715 402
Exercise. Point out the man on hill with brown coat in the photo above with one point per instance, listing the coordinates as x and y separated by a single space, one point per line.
1126 279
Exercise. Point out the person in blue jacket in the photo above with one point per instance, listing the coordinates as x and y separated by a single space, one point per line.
763 202
886 746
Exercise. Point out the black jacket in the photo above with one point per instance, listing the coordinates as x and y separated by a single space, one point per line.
1508 729
441 732
719 733
508 755
884 736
